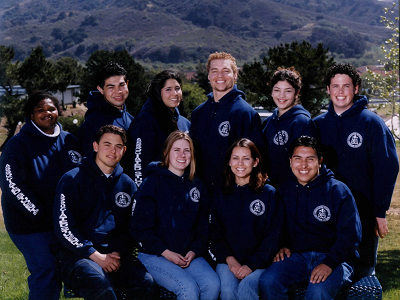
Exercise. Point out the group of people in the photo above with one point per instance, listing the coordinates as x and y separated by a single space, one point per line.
222 207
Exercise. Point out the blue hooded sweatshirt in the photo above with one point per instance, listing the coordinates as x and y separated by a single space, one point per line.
244 225
362 153
216 126
31 165
148 139
100 113
92 211
321 216
279 133
170 212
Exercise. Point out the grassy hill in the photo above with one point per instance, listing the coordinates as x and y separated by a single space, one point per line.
178 31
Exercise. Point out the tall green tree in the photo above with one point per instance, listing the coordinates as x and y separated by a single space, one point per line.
135 74
386 85
193 95
201 78
311 62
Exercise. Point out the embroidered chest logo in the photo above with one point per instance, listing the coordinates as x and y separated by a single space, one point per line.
194 194
354 140
224 128
281 138
122 199
75 157
257 207
322 213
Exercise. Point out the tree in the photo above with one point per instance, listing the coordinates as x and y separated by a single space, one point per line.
193 96
201 78
387 84
10 103
135 74
311 63
37 73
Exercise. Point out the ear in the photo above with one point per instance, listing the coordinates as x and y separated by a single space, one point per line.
123 151
235 76
356 89
95 146
327 90
127 83
320 162
100 90
256 162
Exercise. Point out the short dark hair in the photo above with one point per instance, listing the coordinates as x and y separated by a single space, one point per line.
257 178
346 69
34 100
109 70
305 141
111 129
290 75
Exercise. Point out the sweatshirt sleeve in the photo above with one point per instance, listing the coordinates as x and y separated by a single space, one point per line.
265 254
251 129
143 135
385 163
65 213
143 222
15 184
348 228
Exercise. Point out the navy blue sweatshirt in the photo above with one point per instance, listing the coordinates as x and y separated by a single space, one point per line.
216 126
321 216
279 133
170 212
148 139
245 225
100 113
31 165
92 212
364 154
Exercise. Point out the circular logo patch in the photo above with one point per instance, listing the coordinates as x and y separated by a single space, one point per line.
322 213
224 128
257 207
354 140
281 138
194 194
75 156
122 199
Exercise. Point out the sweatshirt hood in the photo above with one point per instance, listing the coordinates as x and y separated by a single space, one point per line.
229 97
360 103
291 113
96 101
31 129
90 163
324 175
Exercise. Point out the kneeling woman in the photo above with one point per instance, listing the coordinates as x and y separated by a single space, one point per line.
170 222
244 232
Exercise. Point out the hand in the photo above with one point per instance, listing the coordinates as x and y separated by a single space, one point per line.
233 264
320 273
189 257
243 272
108 262
282 253
175 258
381 228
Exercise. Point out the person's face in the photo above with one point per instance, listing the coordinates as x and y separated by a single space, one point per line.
115 91
171 94
110 150
242 164
221 75
45 115
284 96
305 164
179 157
342 91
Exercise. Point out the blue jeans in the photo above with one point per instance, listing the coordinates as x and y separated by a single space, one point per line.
41 264
235 289
198 281
90 281
276 279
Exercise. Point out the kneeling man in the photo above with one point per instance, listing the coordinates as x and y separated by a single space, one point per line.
322 229
91 213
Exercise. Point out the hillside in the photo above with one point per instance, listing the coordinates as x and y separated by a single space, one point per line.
177 31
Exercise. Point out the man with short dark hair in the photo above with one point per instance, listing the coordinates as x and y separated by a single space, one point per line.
360 150
222 120
106 105
91 215
322 229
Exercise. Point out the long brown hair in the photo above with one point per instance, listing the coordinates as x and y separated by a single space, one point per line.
257 178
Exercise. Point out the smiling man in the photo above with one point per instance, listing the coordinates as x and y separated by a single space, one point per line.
322 229
106 105
222 120
360 150
91 214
